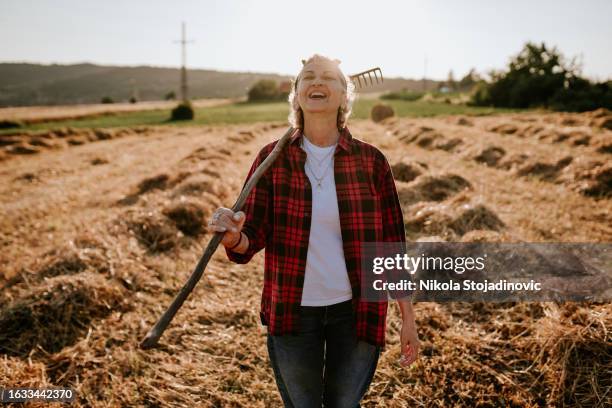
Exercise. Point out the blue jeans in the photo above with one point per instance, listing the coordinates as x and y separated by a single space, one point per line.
325 364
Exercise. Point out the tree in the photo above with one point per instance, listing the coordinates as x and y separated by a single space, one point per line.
264 90
469 80
540 76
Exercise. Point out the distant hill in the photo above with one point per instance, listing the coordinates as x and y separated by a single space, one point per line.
34 84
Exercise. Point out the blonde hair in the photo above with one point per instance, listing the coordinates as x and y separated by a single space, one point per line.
296 116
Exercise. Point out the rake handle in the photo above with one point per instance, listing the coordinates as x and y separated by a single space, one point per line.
152 338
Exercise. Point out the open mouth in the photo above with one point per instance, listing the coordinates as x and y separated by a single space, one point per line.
317 95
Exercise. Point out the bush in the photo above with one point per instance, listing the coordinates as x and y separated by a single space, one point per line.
170 96
10 124
107 99
183 111
540 77
133 99
404 95
264 90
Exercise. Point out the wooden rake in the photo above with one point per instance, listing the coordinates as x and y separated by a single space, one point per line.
152 338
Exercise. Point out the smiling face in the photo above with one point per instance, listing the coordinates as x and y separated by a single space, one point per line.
320 88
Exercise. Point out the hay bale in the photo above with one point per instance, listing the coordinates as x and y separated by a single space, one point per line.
570 121
579 138
407 170
98 160
530 130
159 182
504 128
490 155
103 134
603 123
189 217
414 133
432 188
9 140
57 313
513 161
544 171
41 142
599 182
604 147
478 217
448 145
154 232
77 140
381 111
426 139
23 148
463 121
429 220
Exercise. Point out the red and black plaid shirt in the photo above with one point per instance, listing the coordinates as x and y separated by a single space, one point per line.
278 216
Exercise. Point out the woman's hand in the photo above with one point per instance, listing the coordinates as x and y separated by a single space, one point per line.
409 338
224 219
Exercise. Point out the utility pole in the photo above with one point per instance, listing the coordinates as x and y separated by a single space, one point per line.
424 72
183 41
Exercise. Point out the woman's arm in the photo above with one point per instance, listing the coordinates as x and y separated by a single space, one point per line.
394 231
256 208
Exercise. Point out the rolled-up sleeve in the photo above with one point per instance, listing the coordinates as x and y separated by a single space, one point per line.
256 208
393 224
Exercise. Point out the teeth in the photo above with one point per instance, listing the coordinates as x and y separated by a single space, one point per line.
314 94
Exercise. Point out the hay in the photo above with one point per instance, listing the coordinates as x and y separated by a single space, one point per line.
154 232
603 122
381 111
597 183
159 182
462 121
448 145
544 171
432 188
56 313
490 155
407 171
513 161
23 148
189 217
426 139
429 220
96 161
478 217
504 128
411 135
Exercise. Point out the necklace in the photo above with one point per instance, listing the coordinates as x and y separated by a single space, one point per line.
311 154
319 179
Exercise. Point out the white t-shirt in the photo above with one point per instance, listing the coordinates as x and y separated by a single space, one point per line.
326 280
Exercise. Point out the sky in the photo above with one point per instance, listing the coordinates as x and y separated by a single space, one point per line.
408 38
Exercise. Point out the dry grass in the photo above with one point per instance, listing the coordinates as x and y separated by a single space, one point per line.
88 270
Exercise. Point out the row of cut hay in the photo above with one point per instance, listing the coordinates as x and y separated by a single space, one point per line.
56 312
504 354
24 143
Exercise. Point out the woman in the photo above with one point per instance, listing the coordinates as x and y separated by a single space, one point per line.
326 194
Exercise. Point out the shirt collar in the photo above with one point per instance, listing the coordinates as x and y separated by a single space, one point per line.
344 141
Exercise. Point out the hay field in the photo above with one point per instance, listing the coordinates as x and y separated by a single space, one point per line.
37 114
99 230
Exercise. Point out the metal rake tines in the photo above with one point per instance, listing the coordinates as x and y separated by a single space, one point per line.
365 75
